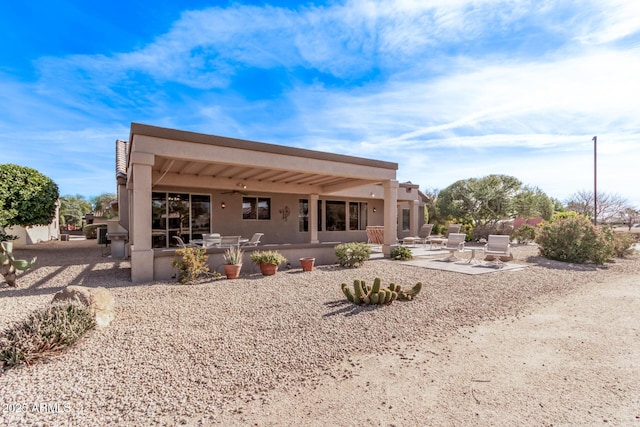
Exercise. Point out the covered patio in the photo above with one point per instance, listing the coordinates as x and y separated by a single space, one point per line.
173 182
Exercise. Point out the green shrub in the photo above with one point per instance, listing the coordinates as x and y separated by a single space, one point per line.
191 264
468 230
561 215
401 253
574 239
621 243
524 234
91 231
44 332
352 254
267 257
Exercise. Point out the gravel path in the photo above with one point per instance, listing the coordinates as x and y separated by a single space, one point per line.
199 354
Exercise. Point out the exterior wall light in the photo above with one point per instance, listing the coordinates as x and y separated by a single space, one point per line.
223 205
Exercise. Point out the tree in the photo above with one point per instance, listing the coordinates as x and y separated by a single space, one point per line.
103 204
483 201
27 197
609 205
72 209
430 211
531 202
630 216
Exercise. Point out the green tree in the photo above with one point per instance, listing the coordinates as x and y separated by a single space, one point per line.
27 197
481 201
531 201
72 209
103 204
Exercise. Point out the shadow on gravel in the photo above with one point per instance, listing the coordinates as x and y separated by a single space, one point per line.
559 265
347 308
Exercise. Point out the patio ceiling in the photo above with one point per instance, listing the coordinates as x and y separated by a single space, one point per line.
230 177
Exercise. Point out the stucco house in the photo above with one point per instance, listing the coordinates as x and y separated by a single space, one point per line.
173 182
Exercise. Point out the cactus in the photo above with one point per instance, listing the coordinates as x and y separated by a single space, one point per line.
9 265
375 294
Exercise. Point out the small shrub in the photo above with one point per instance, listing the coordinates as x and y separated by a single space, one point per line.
91 231
401 253
44 332
469 231
574 239
191 264
233 255
267 257
524 234
621 243
352 254
561 215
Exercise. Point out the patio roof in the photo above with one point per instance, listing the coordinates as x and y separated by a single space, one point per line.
208 161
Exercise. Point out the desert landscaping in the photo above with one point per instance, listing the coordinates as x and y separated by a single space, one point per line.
549 344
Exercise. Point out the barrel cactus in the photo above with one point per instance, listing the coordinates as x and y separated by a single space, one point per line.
9 265
375 294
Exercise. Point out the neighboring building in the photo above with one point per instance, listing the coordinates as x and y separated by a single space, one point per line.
173 182
36 233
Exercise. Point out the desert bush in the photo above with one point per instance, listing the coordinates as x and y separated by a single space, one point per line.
524 234
401 253
621 243
352 254
191 264
469 231
574 239
561 215
91 231
44 332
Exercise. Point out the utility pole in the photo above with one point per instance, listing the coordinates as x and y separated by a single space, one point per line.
595 181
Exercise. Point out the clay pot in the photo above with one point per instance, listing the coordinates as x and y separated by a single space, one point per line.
268 269
307 263
232 270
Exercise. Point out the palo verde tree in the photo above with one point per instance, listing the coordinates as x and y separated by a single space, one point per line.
531 201
27 197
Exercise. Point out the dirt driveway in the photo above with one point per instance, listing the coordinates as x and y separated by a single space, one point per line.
575 361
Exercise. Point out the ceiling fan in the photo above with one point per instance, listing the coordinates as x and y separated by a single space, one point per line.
234 192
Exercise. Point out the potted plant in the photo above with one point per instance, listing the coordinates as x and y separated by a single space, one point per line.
268 261
307 263
233 262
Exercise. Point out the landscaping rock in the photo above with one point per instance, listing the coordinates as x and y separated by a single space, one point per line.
99 300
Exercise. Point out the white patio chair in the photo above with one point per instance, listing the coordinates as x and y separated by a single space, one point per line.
497 249
454 243
211 239
424 233
229 241
182 244
436 240
255 239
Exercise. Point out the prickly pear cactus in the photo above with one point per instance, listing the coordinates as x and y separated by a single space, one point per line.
9 265
364 294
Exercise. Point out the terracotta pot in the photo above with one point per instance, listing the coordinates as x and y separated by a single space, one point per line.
307 263
268 269
232 270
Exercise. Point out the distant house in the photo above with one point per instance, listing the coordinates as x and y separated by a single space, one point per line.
177 183
37 233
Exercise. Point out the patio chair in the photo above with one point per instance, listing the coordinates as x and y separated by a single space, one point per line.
210 239
229 241
424 233
497 249
255 239
435 240
454 243
182 244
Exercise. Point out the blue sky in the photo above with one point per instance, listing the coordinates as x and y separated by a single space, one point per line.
448 89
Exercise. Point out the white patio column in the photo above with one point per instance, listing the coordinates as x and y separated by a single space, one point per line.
390 215
415 212
313 218
141 252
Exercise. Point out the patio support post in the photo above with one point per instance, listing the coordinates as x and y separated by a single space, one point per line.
141 251
415 212
390 215
313 218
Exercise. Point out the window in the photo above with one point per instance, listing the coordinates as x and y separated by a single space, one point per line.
303 215
335 216
178 214
256 208
357 215
406 225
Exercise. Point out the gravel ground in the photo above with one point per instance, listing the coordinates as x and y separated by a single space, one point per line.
195 354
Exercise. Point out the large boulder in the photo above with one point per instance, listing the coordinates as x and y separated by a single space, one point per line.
99 300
